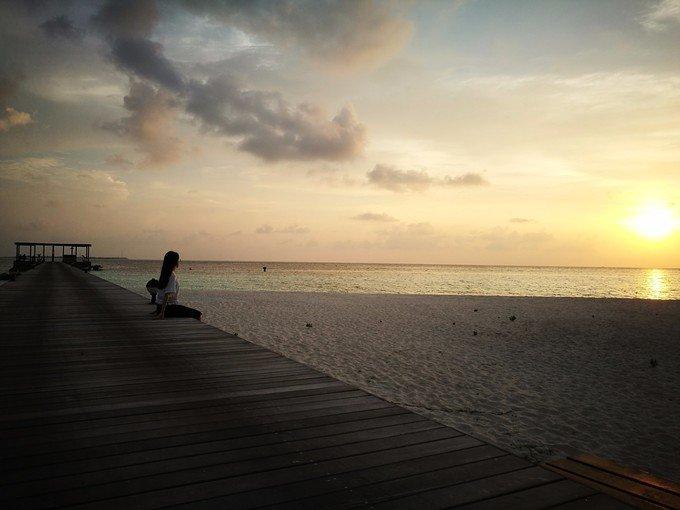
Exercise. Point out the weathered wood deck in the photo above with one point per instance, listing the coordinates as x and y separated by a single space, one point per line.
103 407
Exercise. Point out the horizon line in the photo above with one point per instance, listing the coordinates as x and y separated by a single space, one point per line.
262 261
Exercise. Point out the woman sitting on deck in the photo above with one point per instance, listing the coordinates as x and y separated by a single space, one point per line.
168 291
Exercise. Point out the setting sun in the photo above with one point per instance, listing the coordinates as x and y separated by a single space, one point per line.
654 221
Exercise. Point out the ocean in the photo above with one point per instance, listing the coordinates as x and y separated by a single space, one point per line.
403 279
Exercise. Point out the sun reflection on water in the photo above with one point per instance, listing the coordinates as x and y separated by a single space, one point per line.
656 284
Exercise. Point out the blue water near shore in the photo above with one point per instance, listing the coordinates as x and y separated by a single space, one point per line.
404 279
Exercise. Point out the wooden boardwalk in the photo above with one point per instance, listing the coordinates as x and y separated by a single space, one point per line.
103 407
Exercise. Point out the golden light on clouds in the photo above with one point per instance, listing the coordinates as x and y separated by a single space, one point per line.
654 221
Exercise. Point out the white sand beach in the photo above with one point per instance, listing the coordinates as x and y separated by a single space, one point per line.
599 375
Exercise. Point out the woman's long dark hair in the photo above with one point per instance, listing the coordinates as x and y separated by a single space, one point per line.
170 262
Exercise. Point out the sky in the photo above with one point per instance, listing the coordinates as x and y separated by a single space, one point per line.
463 132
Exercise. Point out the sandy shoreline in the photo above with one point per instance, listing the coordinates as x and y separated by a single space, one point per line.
566 371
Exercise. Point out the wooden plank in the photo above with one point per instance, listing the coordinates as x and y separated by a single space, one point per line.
139 456
178 494
484 488
145 416
260 468
634 475
224 416
330 392
59 443
371 485
339 488
620 489
598 501
400 488
246 429
554 493
209 460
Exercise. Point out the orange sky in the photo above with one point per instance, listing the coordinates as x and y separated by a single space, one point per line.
470 132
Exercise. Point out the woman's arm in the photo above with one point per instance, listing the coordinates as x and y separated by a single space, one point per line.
169 297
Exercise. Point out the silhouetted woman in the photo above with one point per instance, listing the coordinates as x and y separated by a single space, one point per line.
168 285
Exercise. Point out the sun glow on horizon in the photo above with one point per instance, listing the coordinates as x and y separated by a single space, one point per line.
654 221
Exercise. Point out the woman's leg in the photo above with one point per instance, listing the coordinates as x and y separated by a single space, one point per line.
182 311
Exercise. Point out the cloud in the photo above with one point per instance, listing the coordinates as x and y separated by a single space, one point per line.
468 179
393 179
145 59
271 128
61 26
661 14
127 18
9 117
12 118
413 236
150 124
264 229
378 217
500 239
290 229
520 220
293 229
127 24
388 177
118 160
348 34
43 185
263 123
8 86
52 179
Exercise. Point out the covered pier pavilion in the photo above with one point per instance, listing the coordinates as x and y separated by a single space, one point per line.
29 254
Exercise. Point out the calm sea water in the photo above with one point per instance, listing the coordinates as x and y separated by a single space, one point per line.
405 279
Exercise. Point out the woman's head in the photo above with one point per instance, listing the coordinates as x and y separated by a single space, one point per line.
170 262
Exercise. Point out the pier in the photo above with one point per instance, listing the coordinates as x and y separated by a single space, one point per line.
39 252
103 407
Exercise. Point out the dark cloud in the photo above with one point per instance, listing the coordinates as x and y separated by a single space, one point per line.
127 18
378 217
520 220
384 176
145 59
339 33
127 25
8 87
61 26
262 123
393 179
150 124
271 128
